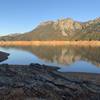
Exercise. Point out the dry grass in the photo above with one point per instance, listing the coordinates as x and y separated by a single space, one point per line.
37 43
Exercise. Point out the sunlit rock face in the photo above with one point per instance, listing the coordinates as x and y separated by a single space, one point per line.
68 26
62 29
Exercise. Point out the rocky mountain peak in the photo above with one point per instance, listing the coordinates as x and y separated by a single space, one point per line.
68 26
62 29
46 23
97 19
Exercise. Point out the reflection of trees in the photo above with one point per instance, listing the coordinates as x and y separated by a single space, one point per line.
65 54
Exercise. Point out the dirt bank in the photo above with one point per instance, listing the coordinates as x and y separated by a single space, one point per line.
41 82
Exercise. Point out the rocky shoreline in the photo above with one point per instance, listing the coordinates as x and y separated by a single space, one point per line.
3 56
42 82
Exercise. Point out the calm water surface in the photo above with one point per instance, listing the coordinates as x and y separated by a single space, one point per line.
69 59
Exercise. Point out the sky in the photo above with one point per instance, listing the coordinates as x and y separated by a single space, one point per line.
19 16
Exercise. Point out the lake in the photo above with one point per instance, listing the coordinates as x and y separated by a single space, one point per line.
68 58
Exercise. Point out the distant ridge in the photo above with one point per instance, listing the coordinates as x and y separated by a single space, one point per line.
62 29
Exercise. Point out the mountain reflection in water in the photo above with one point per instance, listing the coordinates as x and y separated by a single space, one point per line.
63 55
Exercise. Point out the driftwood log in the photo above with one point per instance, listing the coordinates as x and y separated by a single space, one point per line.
41 82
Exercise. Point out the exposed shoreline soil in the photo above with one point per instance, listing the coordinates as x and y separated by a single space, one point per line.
42 82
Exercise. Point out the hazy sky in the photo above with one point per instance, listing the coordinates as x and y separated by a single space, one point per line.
24 15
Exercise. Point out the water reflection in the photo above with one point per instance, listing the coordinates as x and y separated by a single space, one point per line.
58 55
65 55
